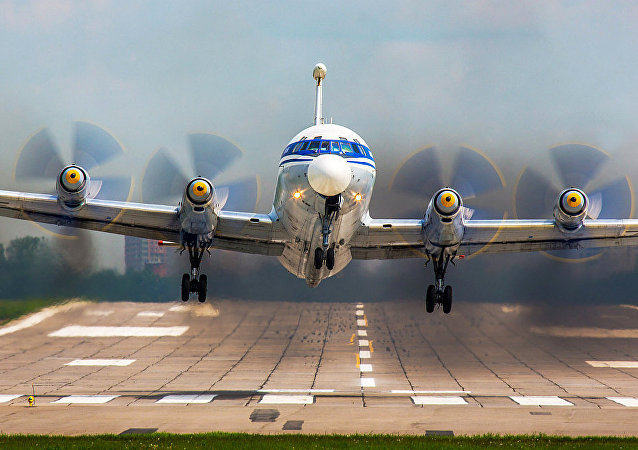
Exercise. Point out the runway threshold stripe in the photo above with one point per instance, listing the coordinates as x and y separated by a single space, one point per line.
541 400
100 362
274 399
86 331
186 399
150 314
614 364
631 402
86 399
4 398
365 367
438 400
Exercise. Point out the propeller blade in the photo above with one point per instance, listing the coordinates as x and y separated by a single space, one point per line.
616 200
39 158
577 164
221 197
163 180
211 154
94 146
595 205
474 174
114 188
419 175
243 195
534 195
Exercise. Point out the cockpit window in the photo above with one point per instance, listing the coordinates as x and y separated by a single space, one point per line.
300 146
334 147
346 147
314 146
358 149
325 146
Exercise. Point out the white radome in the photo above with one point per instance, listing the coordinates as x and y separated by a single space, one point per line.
329 174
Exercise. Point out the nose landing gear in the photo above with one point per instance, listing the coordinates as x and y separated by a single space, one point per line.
325 252
438 293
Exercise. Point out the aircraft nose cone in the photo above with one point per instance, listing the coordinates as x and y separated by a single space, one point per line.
329 174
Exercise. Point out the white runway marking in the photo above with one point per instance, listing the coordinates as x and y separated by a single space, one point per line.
4 398
614 364
34 319
540 400
100 362
186 399
179 308
401 391
363 343
433 400
365 367
359 305
273 399
86 399
364 354
587 332
150 314
359 313
625 401
296 391
362 323
362 333
84 331
98 313
368 382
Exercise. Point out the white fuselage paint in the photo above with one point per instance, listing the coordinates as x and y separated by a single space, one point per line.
301 214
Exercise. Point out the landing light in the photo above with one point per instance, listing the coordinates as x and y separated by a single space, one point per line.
297 195
358 197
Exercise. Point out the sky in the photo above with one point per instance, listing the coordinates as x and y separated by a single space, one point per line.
509 78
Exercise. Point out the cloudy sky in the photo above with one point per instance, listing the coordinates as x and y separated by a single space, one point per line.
510 78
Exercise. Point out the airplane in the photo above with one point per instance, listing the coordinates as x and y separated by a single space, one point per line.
320 217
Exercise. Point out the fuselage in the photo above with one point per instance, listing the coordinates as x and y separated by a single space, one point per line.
325 163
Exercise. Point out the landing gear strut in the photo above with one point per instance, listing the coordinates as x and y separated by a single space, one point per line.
325 252
438 293
194 282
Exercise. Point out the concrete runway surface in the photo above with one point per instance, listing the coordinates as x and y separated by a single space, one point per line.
276 367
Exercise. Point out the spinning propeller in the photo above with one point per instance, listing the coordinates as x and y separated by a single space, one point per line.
573 165
473 175
39 160
210 155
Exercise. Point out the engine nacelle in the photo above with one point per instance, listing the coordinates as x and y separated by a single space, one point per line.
72 186
197 214
571 210
443 221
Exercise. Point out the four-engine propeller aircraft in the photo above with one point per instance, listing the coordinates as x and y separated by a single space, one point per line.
319 219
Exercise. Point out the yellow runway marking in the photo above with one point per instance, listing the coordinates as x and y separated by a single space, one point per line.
358 360
352 339
371 348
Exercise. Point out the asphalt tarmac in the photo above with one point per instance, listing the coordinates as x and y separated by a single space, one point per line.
277 367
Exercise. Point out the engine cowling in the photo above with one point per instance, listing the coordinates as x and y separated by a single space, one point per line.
72 187
197 213
443 221
571 209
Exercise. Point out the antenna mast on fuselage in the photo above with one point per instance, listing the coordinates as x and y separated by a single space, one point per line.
319 73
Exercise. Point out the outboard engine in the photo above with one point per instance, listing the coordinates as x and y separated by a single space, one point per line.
72 187
443 221
197 214
571 210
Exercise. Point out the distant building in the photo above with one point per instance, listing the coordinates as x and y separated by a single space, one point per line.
144 254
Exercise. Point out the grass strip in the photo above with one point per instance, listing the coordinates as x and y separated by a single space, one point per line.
220 440
12 309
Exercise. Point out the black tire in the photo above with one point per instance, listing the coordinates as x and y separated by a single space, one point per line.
186 287
330 258
447 299
318 258
202 288
429 299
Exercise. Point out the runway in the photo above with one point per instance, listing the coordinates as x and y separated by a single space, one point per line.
277 367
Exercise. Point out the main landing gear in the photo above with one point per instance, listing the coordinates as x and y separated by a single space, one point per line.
438 293
194 282
325 252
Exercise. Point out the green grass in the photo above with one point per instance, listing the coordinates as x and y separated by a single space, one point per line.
255 441
12 309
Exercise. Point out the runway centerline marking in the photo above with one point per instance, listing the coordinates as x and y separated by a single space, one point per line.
359 305
363 343
540 400
362 323
365 367
86 399
100 362
88 331
4 398
368 382
150 314
273 399
364 354
614 364
186 399
362 333
631 402
437 400
359 312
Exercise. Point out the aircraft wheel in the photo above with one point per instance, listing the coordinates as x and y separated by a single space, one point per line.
330 258
447 299
429 299
318 258
202 288
186 287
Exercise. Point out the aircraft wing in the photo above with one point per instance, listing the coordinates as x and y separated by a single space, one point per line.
243 232
400 238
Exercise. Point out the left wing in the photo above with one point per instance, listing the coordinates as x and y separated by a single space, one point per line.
403 238
243 232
